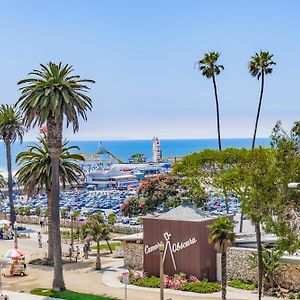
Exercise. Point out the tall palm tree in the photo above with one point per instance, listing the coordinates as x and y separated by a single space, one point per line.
2 185
11 129
259 66
222 236
49 96
209 68
35 173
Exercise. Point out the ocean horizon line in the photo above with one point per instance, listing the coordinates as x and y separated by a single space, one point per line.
149 139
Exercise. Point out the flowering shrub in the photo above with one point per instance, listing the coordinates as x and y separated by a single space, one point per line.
175 282
193 278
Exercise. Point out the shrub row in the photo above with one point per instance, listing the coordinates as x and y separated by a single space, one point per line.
203 287
242 284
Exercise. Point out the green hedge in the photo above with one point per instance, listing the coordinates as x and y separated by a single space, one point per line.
242 284
294 295
152 282
203 287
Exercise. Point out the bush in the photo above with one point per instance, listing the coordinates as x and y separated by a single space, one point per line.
152 282
175 282
242 284
294 295
203 287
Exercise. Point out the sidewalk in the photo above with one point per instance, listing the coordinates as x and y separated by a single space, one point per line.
23 296
113 271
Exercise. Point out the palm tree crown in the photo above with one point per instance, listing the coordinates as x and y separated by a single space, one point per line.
54 92
261 63
11 124
35 170
222 233
2 181
207 65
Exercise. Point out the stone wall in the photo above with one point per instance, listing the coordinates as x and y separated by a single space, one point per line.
133 255
238 266
289 277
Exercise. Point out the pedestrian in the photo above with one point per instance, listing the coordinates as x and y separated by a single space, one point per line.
70 251
40 240
77 252
42 221
85 251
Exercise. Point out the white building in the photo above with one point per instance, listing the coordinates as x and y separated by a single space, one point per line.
111 178
156 152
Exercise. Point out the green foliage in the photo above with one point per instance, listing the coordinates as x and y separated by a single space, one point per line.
221 234
271 265
152 282
95 228
54 92
35 171
208 64
105 246
23 211
203 287
38 211
68 295
11 124
294 295
111 219
64 212
261 63
170 191
137 158
2 181
258 178
242 284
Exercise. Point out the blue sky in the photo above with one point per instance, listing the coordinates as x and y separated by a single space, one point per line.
142 55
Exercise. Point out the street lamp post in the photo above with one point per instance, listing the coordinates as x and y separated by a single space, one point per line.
161 248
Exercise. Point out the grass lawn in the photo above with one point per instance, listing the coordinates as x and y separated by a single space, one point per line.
113 245
69 295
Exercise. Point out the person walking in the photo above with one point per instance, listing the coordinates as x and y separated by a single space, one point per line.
42 222
85 251
40 240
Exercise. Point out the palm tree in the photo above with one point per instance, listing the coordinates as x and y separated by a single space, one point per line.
2 185
11 129
259 66
209 68
222 236
35 173
74 217
49 96
96 230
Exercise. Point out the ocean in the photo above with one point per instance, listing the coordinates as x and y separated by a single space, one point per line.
123 149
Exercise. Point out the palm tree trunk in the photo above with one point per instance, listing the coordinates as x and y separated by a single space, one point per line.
224 274
72 233
50 238
10 191
218 114
259 107
98 262
109 247
241 221
260 261
55 144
